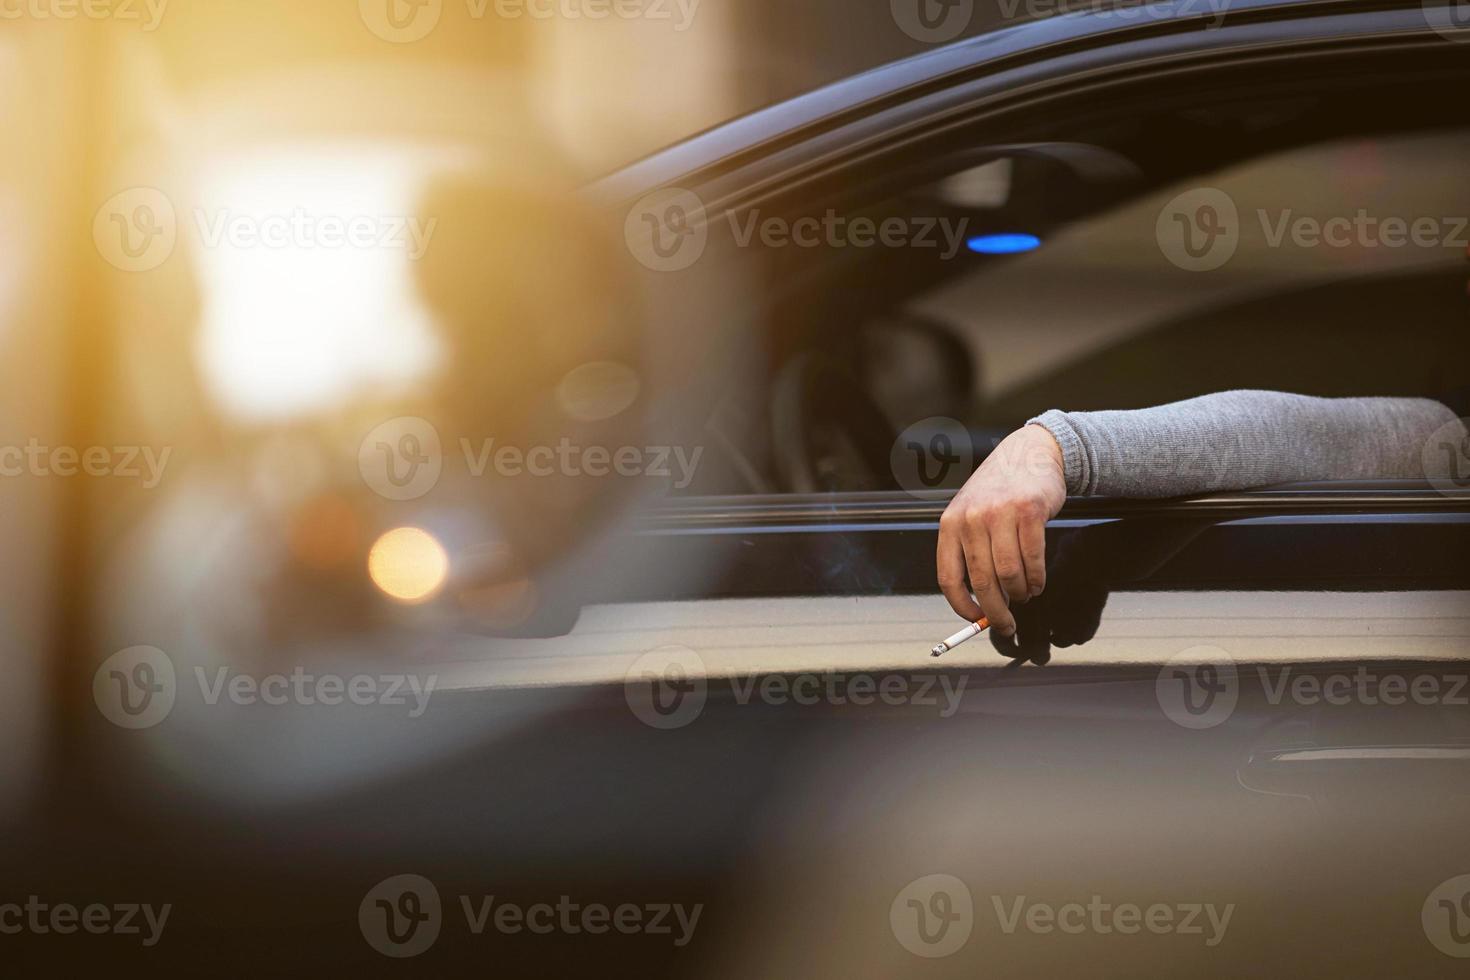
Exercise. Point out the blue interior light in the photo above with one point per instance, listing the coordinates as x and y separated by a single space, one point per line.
1007 244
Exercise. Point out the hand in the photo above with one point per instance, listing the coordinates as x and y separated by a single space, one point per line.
993 533
1086 564
1070 610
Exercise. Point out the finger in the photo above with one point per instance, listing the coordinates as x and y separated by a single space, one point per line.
1005 553
1032 534
983 581
950 563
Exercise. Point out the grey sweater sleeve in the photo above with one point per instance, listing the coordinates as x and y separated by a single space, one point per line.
1239 439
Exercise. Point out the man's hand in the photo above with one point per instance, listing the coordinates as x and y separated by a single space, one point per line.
994 531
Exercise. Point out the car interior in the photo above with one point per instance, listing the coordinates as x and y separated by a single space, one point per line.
885 338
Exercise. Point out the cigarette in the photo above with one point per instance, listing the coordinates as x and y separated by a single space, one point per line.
968 633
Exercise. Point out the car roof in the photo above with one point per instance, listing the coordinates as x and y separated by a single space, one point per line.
824 107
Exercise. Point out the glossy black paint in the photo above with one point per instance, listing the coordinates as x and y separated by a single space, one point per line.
1342 539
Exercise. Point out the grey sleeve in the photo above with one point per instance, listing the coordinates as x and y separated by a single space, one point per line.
1239 439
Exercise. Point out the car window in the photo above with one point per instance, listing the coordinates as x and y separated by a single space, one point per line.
1277 273
906 337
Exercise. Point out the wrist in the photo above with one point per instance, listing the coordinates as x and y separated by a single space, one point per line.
1043 453
1076 474
1041 436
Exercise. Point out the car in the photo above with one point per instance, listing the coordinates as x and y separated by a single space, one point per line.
690 723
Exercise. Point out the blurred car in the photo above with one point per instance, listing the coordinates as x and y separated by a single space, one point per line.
703 685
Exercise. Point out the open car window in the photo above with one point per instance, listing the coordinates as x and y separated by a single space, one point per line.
899 340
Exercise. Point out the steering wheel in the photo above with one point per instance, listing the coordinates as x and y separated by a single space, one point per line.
828 434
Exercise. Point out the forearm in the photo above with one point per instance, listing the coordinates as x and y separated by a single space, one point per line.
1239 439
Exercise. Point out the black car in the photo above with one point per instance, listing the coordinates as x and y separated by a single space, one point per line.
676 711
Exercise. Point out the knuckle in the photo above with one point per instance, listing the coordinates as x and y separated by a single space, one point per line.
1008 568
